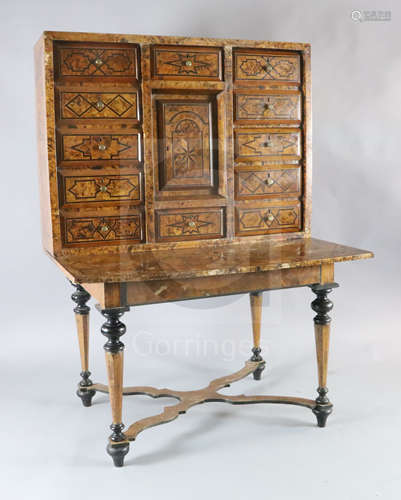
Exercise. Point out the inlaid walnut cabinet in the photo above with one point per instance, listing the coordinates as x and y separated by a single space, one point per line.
175 168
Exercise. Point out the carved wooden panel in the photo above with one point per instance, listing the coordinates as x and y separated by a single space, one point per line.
86 105
267 182
185 144
193 63
259 143
99 229
284 217
101 188
267 107
97 61
100 147
190 224
266 65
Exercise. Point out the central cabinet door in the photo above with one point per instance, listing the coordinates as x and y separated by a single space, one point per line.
187 144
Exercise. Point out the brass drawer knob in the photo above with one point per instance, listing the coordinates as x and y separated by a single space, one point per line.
269 217
191 224
269 181
267 144
188 63
102 147
267 105
104 229
100 105
103 189
98 61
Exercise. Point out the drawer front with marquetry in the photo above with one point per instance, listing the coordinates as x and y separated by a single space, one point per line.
280 218
267 107
100 147
95 105
97 61
192 63
176 225
101 229
259 65
101 188
259 144
269 182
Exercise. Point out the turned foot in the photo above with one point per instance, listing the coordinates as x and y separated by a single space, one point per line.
257 374
86 395
118 452
322 412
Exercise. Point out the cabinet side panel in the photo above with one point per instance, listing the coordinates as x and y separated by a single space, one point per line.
46 145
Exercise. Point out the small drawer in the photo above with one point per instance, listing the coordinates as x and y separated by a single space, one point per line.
268 182
100 147
260 144
267 107
190 63
177 225
278 218
95 105
263 65
97 61
103 229
101 188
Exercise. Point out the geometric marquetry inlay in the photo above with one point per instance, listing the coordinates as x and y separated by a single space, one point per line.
267 107
267 66
262 183
98 105
202 223
197 63
101 188
97 61
89 229
100 147
259 143
268 219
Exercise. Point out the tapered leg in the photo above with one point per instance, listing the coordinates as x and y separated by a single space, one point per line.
81 297
256 299
322 305
113 329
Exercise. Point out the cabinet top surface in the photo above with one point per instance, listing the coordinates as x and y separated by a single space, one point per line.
196 262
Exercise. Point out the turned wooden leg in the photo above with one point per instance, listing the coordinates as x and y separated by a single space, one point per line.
81 297
322 305
256 299
113 329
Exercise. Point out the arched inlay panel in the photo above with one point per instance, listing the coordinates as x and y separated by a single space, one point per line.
185 135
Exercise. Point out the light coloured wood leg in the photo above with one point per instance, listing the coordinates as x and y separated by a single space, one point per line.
256 299
322 305
81 297
113 329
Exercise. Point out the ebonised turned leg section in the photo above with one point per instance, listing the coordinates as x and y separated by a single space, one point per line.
113 329
81 297
256 299
322 305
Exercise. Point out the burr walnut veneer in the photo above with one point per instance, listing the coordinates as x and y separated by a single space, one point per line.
178 168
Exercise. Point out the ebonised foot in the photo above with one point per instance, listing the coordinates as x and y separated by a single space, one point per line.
257 374
118 452
322 412
86 395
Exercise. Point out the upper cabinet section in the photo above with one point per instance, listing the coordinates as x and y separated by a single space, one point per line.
186 63
266 66
89 60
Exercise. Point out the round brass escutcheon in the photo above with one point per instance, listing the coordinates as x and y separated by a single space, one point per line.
103 189
102 147
267 105
269 181
98 61
100 105
270 217
191 224
188 63
104 229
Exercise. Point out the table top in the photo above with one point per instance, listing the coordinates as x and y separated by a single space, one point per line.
184 263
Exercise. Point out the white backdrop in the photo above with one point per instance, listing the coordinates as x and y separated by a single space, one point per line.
52 446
